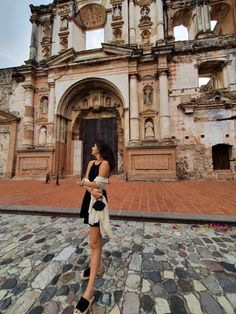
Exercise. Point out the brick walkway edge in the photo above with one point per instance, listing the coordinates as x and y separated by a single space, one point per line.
184 200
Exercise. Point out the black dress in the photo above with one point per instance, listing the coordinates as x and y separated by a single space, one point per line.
93 173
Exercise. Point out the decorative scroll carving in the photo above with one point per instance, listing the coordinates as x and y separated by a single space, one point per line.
64 40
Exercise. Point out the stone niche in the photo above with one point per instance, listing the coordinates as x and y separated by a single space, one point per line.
151 163
34 163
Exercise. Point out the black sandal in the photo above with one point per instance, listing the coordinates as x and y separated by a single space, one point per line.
83 305
86 273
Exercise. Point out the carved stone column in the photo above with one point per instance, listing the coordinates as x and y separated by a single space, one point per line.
160 20
28 136
164 106
134 112
33 40
132 30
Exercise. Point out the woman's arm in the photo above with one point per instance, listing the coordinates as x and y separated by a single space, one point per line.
104 170
88 168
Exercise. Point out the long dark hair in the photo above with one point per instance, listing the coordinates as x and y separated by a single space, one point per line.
106 152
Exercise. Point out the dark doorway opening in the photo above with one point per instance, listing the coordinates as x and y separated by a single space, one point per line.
92 129
220 155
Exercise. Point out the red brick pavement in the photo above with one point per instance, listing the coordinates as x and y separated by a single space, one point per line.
189 197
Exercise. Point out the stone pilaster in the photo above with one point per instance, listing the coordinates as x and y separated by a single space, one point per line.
164 106
51 101
28 136
126 125
207 18
132 30
134 112
199 18
160 20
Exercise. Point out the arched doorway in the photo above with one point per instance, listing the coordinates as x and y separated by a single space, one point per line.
89 110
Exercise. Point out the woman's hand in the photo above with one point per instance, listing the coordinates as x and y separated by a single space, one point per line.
80 183
96 194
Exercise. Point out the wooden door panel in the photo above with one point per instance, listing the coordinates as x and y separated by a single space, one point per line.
92 129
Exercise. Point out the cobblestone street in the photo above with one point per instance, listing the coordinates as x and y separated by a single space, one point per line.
149 267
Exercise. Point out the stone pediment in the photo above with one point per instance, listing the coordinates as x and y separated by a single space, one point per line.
108 51
6 116
62 58
117 50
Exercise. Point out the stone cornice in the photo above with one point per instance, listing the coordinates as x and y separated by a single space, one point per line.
162 50
179 4
41 9
191 107
207 44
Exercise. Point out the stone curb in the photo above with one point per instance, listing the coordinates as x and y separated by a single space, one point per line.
123 214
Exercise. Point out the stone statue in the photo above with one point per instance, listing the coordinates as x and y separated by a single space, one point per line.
149 130
117 11
147 96
85 103
44 105
95 102
108 101
43 136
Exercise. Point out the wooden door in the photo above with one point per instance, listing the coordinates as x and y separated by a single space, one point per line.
92 129
220 154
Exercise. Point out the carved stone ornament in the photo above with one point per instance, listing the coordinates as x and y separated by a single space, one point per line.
46 51
117 32
92 16
145 11
64 10
64 40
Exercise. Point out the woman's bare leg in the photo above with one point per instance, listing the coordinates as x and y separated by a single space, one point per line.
95 260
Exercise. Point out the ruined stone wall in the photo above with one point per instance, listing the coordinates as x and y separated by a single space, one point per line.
201 117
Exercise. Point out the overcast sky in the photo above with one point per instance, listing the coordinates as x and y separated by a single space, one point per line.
15 31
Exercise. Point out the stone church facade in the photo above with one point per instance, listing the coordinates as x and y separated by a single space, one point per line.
139 92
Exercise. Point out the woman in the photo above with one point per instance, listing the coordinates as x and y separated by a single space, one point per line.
100 167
